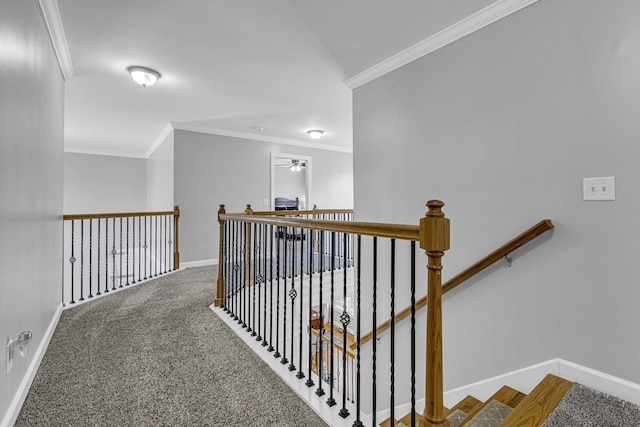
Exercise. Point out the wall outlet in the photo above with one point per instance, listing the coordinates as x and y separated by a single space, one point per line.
602 188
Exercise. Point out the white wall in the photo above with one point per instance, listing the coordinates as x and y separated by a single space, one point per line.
31 168
502 126
160 177
211 170
104 184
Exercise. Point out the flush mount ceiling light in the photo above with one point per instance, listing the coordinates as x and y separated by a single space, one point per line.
143 76
315 134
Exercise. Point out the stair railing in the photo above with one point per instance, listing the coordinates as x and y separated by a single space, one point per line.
286 260
501 253
105 252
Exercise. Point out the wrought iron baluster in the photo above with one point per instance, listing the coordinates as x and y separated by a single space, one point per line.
260 278
243 273
293 294
309 382
81 260
265 237
113 254
331 401
345 319
251 327
90 257
165 244
358 422
393 331
374 340
236 268
98 263
284 298
319 348
300 374
127 283
120 272
72 259
133 250
271 239
277 353
413 333
145 246
106 255
155 252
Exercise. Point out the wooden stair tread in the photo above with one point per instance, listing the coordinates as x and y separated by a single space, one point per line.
466 405
542 400
506 395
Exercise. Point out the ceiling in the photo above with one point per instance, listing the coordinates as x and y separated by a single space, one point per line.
231 66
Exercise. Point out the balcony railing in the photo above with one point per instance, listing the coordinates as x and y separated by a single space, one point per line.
103 253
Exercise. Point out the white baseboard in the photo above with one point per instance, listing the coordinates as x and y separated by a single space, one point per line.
527 378
25 385
201 263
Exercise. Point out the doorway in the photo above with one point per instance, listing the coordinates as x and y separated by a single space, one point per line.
291 179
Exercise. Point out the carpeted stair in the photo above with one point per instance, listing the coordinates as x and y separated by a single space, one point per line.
554 402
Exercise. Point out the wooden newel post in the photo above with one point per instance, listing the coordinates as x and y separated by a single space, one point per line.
176 248
434 239
220 289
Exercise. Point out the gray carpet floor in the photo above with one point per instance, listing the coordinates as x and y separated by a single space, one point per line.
583 406
156 355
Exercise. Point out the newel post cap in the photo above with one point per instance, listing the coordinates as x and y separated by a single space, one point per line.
434 228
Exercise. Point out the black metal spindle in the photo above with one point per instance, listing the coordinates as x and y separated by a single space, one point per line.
258 262
243 273
374 339
252 265
98 263
81 260
133 250
271 239
277 352
345 319
127 252
331 401
393 332
155 251
165 243
106 255
113 255
120 272
145 247
293 294
309 382
300 374
358 422
90 257
236 269
319 361
265 255
72 259
413 333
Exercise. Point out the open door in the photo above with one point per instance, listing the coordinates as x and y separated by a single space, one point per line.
291 179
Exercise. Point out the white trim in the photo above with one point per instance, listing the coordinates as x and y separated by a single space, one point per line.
25 385
52 19
484 17
103 153
527 378
307 177
166 131
201 263
256 137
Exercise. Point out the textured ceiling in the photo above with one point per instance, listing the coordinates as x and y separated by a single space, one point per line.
230 65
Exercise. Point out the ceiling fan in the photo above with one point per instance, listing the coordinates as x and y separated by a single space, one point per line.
293 165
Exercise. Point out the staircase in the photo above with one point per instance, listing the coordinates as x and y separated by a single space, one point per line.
507 407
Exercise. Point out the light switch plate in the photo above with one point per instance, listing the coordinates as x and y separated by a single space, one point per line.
601 188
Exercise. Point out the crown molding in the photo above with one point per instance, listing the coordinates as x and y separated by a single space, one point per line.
51 15
256 137
484 17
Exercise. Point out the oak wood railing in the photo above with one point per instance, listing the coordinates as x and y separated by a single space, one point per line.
109 251
237 293
480 265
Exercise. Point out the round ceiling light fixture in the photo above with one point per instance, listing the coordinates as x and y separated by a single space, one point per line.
315 134
143 76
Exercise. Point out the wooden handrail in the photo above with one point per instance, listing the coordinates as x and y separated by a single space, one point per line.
305 212
67 217
474 269
392 231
